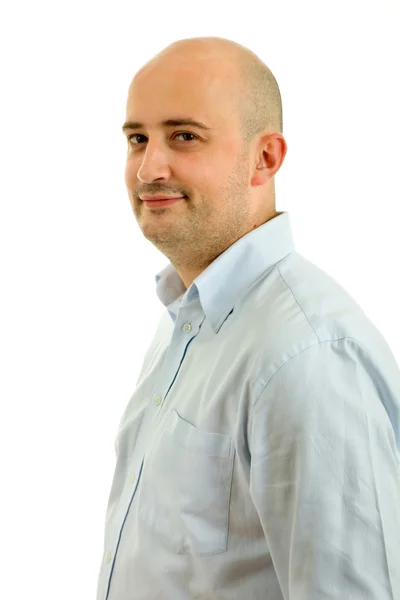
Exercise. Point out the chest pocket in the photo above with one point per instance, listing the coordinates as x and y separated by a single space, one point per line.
194 471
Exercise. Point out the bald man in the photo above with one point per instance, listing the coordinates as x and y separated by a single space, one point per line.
259 455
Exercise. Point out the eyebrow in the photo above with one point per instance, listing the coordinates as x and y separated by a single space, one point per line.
168 123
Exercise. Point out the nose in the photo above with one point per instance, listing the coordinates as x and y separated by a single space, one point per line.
154 165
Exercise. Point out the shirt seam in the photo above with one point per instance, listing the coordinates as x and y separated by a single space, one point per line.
319 342
302 309
377 500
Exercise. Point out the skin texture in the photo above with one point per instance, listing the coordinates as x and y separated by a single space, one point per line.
229 187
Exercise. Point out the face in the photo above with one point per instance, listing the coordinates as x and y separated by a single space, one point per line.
208 167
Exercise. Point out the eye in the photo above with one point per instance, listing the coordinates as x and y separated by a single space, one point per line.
136 135
187 133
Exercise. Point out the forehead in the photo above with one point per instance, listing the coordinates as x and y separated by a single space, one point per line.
203 90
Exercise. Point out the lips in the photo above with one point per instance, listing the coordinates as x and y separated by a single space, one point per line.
161 197
162 203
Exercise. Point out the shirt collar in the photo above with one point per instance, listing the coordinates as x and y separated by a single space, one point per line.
227 279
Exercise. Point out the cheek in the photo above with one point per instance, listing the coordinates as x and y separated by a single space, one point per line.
130 174
204 175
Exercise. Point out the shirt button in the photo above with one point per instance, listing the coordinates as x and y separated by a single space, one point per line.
133 478
158 400
108 557
187 327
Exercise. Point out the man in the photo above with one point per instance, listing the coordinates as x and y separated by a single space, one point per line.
259 454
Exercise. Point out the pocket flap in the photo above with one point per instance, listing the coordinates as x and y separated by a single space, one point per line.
199 441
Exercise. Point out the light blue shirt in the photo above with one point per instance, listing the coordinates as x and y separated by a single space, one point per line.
259 455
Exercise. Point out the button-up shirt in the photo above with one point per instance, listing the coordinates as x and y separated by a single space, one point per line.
259 455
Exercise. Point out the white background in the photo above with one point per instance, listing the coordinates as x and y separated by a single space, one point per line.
78 302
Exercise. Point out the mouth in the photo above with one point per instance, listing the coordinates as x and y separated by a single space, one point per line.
163 202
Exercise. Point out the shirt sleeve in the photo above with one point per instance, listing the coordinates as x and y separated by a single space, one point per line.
325 477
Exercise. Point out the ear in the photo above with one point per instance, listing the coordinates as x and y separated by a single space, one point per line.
269 158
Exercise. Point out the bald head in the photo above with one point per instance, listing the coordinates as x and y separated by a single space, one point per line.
245 77
193 114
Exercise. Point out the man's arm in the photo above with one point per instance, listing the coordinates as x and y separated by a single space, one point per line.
325 478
